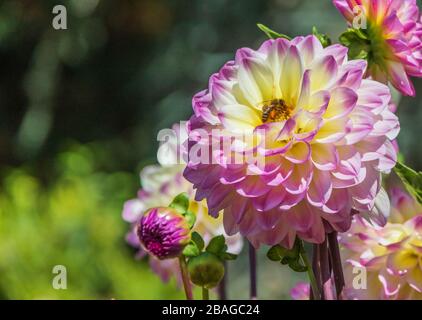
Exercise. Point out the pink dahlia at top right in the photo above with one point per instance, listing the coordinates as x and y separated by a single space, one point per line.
394 38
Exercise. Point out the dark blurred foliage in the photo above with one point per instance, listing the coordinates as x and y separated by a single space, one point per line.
123 70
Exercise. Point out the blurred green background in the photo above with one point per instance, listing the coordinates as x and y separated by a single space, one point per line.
79 113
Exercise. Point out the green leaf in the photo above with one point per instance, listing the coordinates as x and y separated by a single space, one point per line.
323 38
197 239
295 265
190 218
191 250
271 33
216 245
411 179
180 203
229 256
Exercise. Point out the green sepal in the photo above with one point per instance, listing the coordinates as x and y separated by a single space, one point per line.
295 265
411 179
216 245
190 218
358 43
323 38
180 203
197 239
228 256
191 250
276 253
271 33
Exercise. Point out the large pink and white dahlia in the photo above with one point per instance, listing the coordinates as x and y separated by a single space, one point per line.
394 30
390 255
322 135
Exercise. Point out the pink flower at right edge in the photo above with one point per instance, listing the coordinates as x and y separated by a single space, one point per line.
391 255
394 28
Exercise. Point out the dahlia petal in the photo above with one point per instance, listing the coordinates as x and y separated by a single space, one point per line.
399 78
276 52
342 102
391 286
305 91
387 157
402 262
301 217
248 225
392 26
270 200
333 131
238 209
285 170
299 152
373 96
414 278
361 126
201 106
365 192
231 226
318 102
350 75
268 219
291 200
252 187
132 210
337 201
299 180
316 233
324 156
389 126
323 73
344 9
320 188
309 48
349 161
254 75
237 116
382 208
338 52
291 76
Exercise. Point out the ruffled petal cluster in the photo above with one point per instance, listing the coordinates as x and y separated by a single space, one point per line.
391 255
320 137
394 29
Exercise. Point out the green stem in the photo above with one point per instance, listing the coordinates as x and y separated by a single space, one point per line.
205 294
311 274
185 277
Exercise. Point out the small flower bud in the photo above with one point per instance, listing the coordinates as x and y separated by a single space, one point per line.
163 232
206 270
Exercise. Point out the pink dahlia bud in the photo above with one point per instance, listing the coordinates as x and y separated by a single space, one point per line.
163 232
393 33
288 139
390 258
